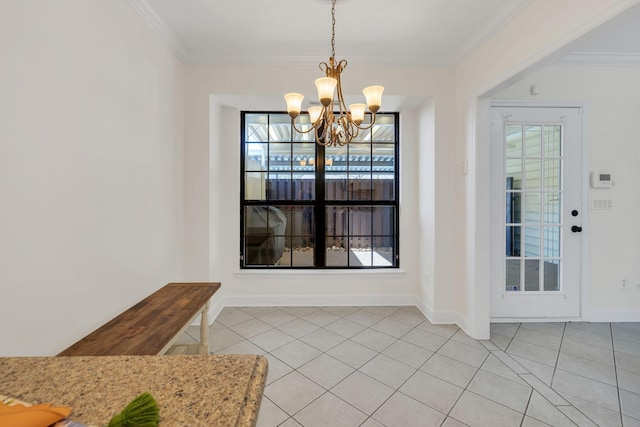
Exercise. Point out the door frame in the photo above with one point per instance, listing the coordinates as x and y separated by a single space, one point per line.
496 207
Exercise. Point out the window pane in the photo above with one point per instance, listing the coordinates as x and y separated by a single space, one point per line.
255 186
279 156
256 157
256 127
303 123
360 186
304 186
383 186
360 254
336 218
264 235
383 220
360 220
365 134
335 186
279 127
383 251
279 186
337 256
384 128
359 157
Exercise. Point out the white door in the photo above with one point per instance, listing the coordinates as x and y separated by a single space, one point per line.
537 212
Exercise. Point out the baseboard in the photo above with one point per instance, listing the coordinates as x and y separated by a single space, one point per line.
613 316
335 300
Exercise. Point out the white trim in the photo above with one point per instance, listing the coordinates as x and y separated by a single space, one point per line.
437 318
534 319
614 316
161 28
600 58
490 27
252 273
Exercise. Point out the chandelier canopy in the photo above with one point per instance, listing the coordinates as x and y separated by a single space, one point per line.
337 127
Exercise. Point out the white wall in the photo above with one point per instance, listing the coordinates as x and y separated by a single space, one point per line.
219 93
612 140
91 129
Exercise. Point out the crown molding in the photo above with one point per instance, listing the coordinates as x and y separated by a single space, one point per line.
161 28
490 27
600 58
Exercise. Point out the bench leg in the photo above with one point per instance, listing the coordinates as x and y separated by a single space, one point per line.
203 348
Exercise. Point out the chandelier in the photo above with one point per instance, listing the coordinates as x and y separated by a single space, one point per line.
339 127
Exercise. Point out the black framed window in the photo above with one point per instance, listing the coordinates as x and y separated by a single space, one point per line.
308 206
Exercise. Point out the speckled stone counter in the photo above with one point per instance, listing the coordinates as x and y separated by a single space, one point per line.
224 390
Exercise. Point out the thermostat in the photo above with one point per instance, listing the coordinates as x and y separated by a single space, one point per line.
601 179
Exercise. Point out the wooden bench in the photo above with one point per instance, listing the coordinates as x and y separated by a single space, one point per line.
151 326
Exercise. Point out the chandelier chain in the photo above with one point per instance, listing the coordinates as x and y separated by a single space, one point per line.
333 28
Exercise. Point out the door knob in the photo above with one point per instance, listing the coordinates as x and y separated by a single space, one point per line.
576 229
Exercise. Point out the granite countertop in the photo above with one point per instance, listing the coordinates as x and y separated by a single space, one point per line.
194 390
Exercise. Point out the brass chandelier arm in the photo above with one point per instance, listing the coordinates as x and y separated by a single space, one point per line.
337 124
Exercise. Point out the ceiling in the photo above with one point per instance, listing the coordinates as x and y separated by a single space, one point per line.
398 32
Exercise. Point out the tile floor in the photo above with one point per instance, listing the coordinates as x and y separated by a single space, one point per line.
389 366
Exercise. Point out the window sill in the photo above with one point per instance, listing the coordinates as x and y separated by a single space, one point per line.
387 272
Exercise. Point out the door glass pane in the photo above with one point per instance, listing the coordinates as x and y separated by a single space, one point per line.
514 174
513 140
279 156
533 143
552 141
513 241
552 275
532 207
531 241
532 275
552 174
512 275
552 242
532 173
513 207
552 208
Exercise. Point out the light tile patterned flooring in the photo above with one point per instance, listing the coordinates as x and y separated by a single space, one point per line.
389 366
